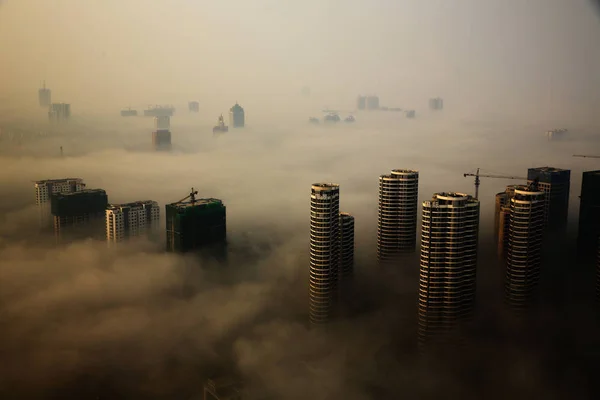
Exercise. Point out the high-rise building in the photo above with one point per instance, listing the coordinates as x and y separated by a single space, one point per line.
44 96
346 270
161 139
162 122
131 219
397 219
372 103
195 224
555 182
447 278
193 106
46 188
324 251
502 219
598 272
361 102
589 215
79 214
436 103
59 112
524 257
237 118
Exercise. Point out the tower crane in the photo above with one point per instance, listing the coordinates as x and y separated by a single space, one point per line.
191 196
585 156
477 175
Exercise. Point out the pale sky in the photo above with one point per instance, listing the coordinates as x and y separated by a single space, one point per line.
136 50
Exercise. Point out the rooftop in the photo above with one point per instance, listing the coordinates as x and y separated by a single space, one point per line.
548 169
236 108
196 203
80 180
82 192
325 186
132 204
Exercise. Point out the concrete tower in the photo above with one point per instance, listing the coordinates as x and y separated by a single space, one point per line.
397 220
524 258
450 227
556 183
131 219
324 251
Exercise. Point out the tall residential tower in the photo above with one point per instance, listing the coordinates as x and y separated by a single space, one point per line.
397 219
324 251
525 236
555 182
447 278
131 219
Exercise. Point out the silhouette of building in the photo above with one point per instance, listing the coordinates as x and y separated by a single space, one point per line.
447 278
436 103
555 182
589 215
161 137
361 102
59 112
44 96
324 251
346 247
237 118
194 106
525 237
372 103
196 224
79 214
131 219
502 219
397 219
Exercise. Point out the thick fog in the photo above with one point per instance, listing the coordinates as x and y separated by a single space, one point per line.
83 320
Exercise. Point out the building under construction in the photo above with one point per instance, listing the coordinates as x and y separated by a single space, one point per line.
45 96
194 224
59 112
79 214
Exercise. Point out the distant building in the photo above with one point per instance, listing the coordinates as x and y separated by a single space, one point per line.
436 103
409 113
44 96
131 219
193 106
447 277
237 118
589 215
195 224
372 103
128 112
524 258
79 214
324 261
397 216
59 112
361 102
157 111
161 139
556 183
162 122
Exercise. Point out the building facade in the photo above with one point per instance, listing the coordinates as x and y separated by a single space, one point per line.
46 188
324 251
555 182
447 277
196 224
525 239
237 117
502 219
79 214
131 219
346 270
397 216
59 112
589 215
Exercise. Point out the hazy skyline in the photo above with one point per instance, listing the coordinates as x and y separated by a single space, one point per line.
483 55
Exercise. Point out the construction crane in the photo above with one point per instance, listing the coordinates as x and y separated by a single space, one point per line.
585 156
191 196
477 175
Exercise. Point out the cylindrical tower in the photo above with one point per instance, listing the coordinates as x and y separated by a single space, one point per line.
397 219
450 226
346 246
324 251
526 230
